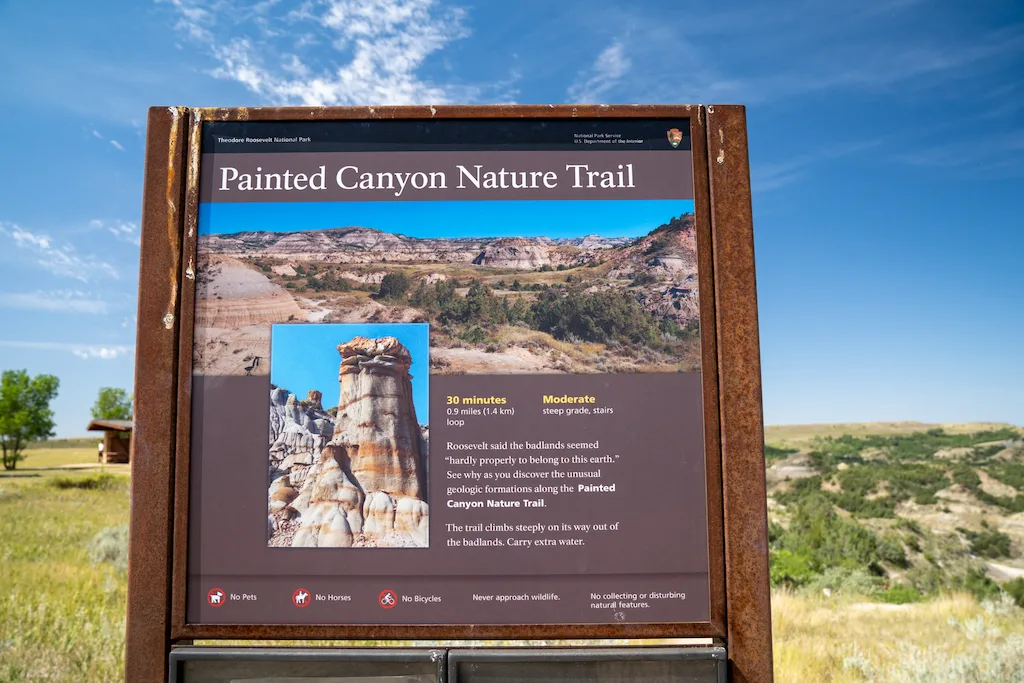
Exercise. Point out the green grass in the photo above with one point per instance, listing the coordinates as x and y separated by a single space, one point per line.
76 442
62 618
48 462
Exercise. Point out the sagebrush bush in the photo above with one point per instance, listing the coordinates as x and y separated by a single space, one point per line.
110 546
843 581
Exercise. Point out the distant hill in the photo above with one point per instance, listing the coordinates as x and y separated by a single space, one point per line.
925 507
800 435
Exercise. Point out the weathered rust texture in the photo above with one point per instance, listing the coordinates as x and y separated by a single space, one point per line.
709 375
513 111
742 419
156 356
186 315
709 261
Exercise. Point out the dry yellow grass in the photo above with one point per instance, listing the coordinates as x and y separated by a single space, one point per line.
843 640
520 335
798 436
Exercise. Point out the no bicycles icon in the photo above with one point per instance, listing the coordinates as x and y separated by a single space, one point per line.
387 599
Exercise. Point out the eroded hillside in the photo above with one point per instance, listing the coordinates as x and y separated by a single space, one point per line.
918 507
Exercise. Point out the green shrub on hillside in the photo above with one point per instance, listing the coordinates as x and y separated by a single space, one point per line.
773 453
786 568
914 446
1009 472
329 282
1015 589
966 477
988 542
843 581
394 287
602 317
900 594
827 540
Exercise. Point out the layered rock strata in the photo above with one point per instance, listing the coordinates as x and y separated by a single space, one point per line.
358 479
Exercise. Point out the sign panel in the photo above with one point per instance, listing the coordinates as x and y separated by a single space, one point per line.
447 372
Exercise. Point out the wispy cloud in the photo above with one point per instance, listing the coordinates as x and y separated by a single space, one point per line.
771 176
333 52
62 260
985 152
883 66
124 231
758 55
607 72
85 351
63 301
113 143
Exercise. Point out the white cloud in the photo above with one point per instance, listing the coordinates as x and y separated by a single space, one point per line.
125 231
85 351
113 143
377 50
606 73
62 260
103 352
64 301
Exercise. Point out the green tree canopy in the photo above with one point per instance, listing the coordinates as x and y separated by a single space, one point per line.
112 404
394 286
25 414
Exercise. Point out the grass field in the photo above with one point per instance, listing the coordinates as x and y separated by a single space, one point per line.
41 462
949 639
63 618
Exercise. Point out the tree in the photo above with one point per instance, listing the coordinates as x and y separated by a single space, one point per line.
112 404
25 414
394 286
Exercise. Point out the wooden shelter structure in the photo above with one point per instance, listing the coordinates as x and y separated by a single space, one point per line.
117 439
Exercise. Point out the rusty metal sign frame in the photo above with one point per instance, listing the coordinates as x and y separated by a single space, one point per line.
734 443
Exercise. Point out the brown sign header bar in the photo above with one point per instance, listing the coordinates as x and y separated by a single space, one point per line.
432 176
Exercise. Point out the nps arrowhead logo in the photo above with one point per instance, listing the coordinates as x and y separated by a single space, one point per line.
675 136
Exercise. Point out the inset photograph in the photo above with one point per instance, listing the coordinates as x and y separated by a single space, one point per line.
349 435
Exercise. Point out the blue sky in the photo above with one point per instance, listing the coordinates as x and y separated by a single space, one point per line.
304 357
886 143
552 219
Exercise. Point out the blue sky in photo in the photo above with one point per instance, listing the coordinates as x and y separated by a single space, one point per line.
542 218
886 150
304 357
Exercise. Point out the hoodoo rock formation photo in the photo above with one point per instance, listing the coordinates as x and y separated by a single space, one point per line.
356 478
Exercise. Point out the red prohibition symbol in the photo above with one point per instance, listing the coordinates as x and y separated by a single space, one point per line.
387 599
301 597
216 597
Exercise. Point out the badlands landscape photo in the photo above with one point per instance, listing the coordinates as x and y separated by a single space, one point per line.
495 304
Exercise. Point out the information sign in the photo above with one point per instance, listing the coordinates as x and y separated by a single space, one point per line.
448 373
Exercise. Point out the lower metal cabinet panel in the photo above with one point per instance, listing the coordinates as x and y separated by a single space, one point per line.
509 665
620 665
305 665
